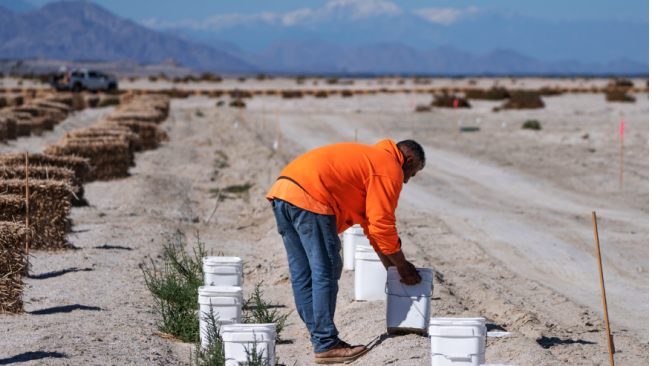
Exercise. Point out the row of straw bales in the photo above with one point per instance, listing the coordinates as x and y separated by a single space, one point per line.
56 178
111 144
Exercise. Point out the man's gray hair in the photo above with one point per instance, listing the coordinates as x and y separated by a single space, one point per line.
415 149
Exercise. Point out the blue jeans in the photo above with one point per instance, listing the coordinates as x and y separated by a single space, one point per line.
313 250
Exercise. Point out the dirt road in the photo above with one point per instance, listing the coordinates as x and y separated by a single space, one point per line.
506 244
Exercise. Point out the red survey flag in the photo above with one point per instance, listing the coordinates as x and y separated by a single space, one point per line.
455 102
622 128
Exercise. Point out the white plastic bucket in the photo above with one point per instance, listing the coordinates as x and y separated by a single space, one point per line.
226 302
370 275
353 237
457 341
222 271
240 337
408 307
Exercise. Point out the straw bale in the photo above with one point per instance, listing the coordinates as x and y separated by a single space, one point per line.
12 264
495 93
8 126
105 139
151 135
12 208
99 131
23 128
43 173
91 100
62 107
149 115
239 94
79 165
289 94
65 98
321 94
13 99
523 100
49 205
110 158
618 95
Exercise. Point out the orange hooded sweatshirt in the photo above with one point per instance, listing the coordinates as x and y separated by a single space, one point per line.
361 183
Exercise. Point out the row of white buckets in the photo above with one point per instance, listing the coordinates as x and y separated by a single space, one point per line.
453 341
222 292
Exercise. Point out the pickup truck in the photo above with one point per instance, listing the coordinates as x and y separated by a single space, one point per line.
82 79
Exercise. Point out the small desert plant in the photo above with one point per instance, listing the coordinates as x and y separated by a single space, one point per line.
222 161
332 80
524 100
422 108
237 103
219 103
109 102
213 353
256 310
532 124
199 113
175 289
153 78
255 358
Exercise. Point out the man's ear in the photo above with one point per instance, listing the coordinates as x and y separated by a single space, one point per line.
409 160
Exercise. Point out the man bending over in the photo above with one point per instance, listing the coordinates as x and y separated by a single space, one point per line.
319 195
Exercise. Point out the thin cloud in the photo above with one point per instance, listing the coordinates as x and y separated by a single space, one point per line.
445 16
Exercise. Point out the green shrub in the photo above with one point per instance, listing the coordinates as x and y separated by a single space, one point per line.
256 310
532 124
199 113
255 358
109 102
219 103
213 353
175 289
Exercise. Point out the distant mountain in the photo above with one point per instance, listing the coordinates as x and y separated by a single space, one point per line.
81 30
478 31
17 6
318 57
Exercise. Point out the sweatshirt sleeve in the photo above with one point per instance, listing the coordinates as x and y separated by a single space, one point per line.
380 227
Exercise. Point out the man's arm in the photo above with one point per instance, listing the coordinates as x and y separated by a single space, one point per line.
406 270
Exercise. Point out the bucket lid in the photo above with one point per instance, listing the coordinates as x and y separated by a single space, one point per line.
425 273
365 249
218 291
250 327
222 260
354 230
458 321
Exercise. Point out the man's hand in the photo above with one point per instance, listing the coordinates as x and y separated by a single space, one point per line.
406 270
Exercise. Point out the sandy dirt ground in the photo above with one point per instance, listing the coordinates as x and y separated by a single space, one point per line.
502 216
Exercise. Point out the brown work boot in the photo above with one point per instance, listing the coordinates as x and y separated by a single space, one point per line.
341 353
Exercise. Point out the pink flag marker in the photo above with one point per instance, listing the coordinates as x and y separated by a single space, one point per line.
412 103
455 103
622 128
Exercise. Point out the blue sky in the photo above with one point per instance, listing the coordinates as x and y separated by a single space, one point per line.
172 10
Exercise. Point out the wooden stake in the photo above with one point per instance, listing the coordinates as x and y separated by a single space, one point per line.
610 341
240 110
278 134
622 150
412 123
356 136
27 210
264 124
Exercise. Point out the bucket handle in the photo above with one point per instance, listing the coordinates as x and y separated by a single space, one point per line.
456 357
